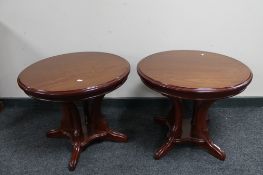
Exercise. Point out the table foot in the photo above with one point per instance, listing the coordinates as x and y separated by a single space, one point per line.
56 133
199 128
174 123
164 149
116 136
71 128
214 150
74 157
198 131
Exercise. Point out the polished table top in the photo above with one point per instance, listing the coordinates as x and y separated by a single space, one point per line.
73 73
194 69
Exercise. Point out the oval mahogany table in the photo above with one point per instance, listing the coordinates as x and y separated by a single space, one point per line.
86 76
203 77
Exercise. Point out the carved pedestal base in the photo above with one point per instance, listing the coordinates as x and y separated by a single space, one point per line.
197 133
81 135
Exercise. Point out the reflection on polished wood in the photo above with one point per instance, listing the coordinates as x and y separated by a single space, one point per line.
75 75
194 70
203 77
86 76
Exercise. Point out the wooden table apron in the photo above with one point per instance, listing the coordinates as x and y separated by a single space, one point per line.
196 130
95 126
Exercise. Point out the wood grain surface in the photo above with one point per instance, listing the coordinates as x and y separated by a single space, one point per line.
194 70
74 72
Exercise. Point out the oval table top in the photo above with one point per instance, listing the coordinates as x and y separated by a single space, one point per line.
74 75
194 74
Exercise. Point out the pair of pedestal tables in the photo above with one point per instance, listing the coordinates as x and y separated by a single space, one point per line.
203 77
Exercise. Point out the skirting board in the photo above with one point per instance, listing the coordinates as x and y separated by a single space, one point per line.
134 102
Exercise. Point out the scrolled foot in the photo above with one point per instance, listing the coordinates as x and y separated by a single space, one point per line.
164 149
56 133
214 150
74 157
116 136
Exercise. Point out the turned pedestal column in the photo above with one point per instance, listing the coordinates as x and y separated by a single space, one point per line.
81 135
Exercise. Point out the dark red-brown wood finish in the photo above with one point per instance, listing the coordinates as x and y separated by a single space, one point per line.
200 76
85 76
74 76
81 135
